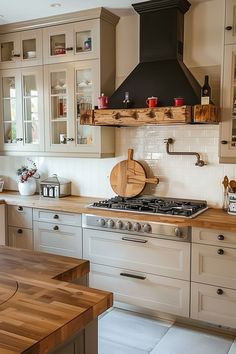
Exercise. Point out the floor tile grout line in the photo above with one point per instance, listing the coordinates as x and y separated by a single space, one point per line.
162 338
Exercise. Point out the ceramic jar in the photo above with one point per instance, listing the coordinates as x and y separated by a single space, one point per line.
28 187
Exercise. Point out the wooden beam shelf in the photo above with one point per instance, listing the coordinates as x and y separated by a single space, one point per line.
147 116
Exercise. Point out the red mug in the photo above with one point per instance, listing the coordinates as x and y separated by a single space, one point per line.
179 101
103 101
152 101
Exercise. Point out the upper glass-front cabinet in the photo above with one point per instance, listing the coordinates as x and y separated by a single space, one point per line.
71 42
21 49
73 87
228 126
230 22
21 109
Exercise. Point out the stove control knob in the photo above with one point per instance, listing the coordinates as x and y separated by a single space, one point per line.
101 222
137 226
147 228
110 223
128 225
178 232
119 224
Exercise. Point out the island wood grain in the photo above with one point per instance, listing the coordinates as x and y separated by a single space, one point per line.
38 313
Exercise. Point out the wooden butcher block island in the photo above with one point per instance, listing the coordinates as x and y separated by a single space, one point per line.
40 311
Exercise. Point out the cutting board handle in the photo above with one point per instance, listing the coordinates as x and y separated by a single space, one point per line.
130 154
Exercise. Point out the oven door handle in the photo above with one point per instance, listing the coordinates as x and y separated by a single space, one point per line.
134 240
129 275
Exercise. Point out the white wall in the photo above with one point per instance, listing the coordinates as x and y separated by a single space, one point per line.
179 177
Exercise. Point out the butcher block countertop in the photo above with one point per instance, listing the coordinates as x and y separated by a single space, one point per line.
212 218
39 311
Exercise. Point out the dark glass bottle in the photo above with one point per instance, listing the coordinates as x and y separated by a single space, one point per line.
206 91
127 101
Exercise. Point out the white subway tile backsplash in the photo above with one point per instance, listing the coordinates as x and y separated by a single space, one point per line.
179 177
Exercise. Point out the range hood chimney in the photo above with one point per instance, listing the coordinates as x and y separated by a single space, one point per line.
161 71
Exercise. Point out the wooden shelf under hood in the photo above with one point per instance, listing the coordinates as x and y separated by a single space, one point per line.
147 116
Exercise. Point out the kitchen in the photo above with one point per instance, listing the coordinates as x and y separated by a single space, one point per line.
175 173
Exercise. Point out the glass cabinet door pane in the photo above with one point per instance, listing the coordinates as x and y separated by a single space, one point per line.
58 44
58 107
9 109
30 110
83 41
7 51
84 97
29 48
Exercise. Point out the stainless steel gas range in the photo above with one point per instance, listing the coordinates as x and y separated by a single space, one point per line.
147 205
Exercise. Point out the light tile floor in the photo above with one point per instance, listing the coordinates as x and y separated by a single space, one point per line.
125 332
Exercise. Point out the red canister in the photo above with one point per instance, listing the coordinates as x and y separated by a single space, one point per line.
103 101
179 101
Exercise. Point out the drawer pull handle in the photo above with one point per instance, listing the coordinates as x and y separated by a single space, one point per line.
220 251
134 240
55 216
56 228
219 291
220 237
132 276
20 208
19 231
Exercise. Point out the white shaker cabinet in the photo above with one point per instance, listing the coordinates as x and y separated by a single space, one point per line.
227 146
57 232
144 272
213 280
20 233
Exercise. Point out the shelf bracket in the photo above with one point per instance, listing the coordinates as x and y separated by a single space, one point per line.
170 141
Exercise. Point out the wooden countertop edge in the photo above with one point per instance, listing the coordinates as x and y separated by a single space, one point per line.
212 218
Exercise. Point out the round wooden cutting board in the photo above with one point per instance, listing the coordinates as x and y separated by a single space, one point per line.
128 177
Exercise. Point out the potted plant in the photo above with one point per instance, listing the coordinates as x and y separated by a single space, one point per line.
26 178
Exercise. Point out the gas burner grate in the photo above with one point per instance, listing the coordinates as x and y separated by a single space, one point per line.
154 205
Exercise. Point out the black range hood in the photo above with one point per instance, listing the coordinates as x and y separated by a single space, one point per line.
161 71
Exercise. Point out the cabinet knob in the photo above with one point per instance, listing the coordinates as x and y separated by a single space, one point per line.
220 237
69 48
220 251
219 291
55 216
20 208
70 139
19 231
56 228
228 28
224 142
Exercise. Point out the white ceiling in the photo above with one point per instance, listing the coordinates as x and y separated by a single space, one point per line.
21 10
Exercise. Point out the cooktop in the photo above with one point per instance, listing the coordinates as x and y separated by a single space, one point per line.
154 205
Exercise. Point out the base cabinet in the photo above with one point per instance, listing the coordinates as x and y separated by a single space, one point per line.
58 233
142 289
141 271
20 233
214 305
213 286
3 238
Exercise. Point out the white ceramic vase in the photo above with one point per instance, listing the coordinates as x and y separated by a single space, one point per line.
28 187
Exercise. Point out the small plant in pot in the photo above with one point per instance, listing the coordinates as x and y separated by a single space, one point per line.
26 178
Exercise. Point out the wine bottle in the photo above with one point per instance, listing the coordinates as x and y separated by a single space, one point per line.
206 91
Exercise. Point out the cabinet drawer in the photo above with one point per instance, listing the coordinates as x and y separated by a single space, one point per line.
214 265
207 305
153 292
20 238
214 237
64 240
145 254
57 217
19 216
